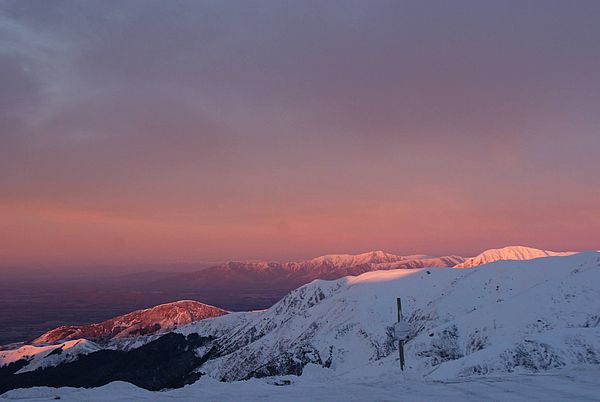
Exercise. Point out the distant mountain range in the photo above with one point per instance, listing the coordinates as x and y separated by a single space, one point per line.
250 285
292 274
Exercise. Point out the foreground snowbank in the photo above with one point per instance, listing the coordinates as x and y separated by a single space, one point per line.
571 385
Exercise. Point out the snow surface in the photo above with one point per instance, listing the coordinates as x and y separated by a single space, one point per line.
154 320
572 385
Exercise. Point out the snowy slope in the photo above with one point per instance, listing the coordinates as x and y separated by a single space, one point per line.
47 355
566 385
158 319
498 317
509 253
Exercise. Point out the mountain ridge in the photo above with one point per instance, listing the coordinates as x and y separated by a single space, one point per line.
510 253
158 319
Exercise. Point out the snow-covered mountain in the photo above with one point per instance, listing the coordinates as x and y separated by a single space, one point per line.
509 253
39 356
509 315
337 261
498 318
333 265
158 319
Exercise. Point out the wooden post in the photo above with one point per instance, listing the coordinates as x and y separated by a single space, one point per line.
400 342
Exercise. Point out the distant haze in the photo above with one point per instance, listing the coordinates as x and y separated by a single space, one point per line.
139 132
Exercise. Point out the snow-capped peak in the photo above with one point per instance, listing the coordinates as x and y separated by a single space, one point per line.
157 319
509 253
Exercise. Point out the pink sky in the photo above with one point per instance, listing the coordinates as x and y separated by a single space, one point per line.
192 132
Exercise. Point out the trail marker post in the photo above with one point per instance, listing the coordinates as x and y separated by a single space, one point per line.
401 330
